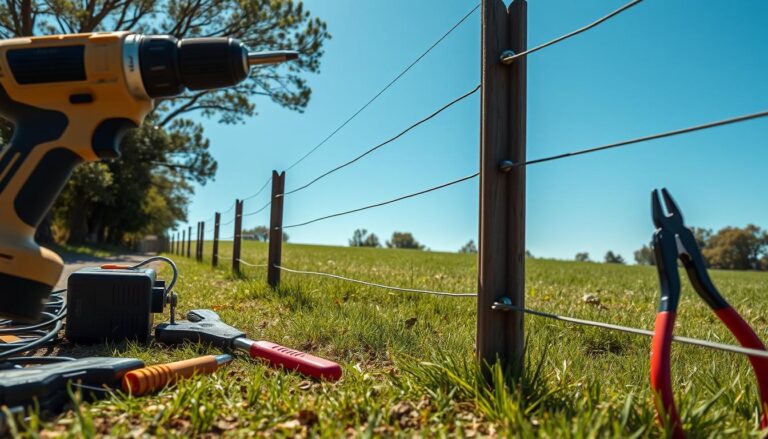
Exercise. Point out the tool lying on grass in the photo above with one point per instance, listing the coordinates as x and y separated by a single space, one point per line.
673 241
205 326
153 378
71 99
47 386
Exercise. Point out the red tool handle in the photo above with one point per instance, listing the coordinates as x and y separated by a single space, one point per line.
302 362
661 379
747 338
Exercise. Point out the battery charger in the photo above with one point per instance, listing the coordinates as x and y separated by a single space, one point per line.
113 303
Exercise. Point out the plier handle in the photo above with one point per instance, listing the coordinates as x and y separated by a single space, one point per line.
672 240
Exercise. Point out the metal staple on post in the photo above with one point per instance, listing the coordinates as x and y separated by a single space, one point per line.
237 237
501 271
276 229
216 225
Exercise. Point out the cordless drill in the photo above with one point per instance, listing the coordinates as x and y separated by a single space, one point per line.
71 99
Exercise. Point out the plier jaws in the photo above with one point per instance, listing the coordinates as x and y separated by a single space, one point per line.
673 241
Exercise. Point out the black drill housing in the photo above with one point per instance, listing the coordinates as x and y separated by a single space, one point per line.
113 304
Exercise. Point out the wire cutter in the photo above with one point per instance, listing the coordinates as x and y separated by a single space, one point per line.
672 241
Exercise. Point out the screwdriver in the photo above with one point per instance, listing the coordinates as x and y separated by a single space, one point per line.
153 378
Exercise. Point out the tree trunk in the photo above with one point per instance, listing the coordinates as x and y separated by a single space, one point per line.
78 226
44 234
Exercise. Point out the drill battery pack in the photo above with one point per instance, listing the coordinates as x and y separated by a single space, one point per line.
112 304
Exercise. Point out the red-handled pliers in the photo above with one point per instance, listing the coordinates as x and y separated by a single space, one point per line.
673 241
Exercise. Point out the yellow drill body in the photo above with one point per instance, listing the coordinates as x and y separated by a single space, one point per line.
85 104
71 99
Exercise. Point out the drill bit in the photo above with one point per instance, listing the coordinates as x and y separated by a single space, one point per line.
272 57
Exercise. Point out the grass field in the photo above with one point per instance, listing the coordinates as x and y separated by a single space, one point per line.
408 359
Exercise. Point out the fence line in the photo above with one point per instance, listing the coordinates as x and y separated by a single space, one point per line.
503 304
384 203
388 141
386 87
686 130
509 58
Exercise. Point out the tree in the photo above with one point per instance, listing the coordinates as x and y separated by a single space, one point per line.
582 257
644 256
613 258
404 240
361 238
171 150
735 248
258 233
469 247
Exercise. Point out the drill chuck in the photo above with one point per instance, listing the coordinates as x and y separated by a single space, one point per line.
169 65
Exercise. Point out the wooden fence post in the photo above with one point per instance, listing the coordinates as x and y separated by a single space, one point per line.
183 242
215 255
189 242
501 273
202 241
276 229
238 237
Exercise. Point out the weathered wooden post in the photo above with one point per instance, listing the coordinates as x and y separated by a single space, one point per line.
215 255
501 282
202 241
189 242
276 229
238 236
183 242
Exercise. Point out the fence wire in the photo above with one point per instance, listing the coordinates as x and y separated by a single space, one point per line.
386 142
372 284
384 203
510 58
583 322
686 130
386 87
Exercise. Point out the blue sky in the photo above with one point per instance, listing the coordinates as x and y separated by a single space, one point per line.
661 65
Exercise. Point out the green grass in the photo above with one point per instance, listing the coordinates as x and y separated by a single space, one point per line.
408 359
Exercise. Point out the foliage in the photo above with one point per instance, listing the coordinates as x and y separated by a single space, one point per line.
361 238
409 359
735 248
469 247
644 256
613 258
582 257
171 151
404 240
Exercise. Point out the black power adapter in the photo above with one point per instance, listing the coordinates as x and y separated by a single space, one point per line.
113 303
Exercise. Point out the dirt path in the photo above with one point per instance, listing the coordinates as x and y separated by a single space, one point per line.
74 262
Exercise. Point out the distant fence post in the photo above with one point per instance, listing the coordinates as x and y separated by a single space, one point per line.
276 229
189 242
501 274
215 255
183 242
197 241
202 241
238 237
